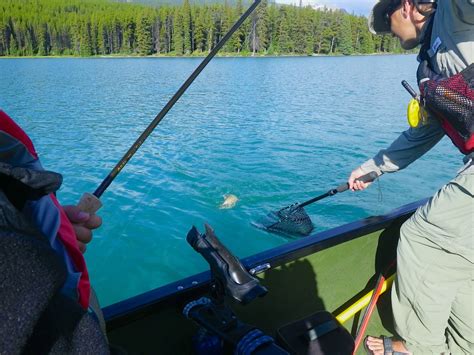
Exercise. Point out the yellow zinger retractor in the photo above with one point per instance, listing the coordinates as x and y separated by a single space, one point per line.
415 113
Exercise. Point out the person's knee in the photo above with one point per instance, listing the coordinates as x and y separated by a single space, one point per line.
413 226
408 234
459 343
405 230
414 233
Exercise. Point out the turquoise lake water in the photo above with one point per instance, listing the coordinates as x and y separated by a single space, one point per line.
271 131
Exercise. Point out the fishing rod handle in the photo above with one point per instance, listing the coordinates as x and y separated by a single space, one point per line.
409 89
89 203
364 178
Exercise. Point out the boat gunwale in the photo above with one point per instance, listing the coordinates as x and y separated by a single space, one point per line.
182 290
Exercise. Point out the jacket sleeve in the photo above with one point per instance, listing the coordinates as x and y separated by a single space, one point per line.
408 147
464 10
45 212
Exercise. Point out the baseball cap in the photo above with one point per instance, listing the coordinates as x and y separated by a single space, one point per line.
378 17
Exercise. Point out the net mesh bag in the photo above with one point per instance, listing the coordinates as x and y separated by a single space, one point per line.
291 220
453 100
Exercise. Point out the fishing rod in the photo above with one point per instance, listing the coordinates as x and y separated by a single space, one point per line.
90 202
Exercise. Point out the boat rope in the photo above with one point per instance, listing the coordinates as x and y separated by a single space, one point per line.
203 301
251 341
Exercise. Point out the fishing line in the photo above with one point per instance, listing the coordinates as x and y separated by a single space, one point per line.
135 210
91 202
380 194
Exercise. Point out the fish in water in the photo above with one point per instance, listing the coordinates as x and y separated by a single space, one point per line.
229 201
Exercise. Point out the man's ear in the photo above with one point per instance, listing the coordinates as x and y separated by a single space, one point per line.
407 7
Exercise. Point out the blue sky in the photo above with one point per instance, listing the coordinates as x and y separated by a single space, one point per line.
359 7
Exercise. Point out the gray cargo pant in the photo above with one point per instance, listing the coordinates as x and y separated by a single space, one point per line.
433 294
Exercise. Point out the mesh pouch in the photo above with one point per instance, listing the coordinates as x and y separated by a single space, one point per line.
292 220
452 100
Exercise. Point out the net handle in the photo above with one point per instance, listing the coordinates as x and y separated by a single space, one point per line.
341 188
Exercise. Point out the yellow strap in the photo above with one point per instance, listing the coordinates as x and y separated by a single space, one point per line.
362 302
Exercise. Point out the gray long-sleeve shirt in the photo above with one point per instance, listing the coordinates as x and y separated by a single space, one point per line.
452 50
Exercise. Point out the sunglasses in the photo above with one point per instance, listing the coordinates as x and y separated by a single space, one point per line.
394 6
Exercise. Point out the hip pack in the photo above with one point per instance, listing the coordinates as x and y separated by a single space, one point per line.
452 101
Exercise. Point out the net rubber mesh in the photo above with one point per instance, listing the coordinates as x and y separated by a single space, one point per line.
292 220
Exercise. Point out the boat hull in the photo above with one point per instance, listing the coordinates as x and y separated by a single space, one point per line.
326 271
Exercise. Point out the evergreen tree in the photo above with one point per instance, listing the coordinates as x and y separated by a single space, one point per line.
384 43
94 36
187 27
157 29
328 34
144 36
43 46
178 33
102 42
85 43
345 36
284 41
226 23
3 41
92 27
272 29
309 28
318 25
298 30
211 29
129 36
13 46
169 32
262 26
366 43
239 35
199 31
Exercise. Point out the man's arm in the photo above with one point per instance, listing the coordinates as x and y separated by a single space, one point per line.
464 10
407 148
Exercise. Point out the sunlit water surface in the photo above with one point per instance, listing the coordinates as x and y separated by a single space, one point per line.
271 131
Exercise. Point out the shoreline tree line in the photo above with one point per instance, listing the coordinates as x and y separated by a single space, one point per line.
101 27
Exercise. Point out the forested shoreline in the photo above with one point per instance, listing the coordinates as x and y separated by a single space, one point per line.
101 27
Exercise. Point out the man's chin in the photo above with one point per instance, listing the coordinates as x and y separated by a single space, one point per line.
409 44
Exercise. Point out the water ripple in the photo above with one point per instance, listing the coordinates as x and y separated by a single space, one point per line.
272 131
